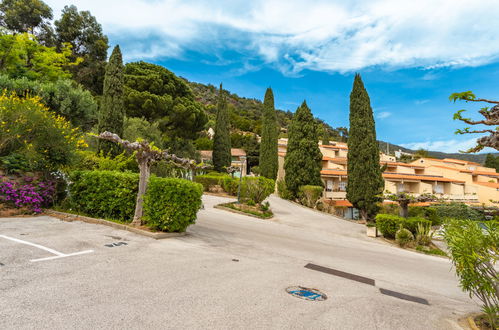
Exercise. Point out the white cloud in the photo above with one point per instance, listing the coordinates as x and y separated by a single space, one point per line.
452 145
420 102
335 36
383 115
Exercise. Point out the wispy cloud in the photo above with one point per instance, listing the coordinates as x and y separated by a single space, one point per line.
452 145
333 36
383 115
419 102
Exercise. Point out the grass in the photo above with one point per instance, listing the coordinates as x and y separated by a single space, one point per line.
431 250
249 209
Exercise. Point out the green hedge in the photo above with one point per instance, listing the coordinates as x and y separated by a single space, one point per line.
104 194
229 184
171 204
309 194
208 180
457 211
388 224
426 212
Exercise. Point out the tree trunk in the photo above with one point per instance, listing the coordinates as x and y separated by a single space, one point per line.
363 215
145 171
404 208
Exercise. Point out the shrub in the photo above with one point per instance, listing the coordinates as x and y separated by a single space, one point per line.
390 208
473 250
425 212
31 195
104 194
388 224
229 184
208 180
89 160
423 234
45 140
282 190
257 188
457 211
171 204
412 224
404 237
310 194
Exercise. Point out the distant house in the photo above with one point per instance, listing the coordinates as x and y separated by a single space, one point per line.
238 159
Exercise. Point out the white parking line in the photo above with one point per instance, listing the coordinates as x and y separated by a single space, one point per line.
57 253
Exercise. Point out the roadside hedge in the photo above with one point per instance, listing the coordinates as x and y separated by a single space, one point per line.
208 180
457 211
169 204
388 224
104 194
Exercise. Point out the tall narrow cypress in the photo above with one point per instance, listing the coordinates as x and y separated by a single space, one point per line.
112 109
270 133
325 135
303 162
365 180
221 141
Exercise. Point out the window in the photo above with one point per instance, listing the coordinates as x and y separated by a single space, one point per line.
329 185
439 188
400 187
342 186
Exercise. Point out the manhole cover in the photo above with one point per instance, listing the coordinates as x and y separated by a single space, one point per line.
306 293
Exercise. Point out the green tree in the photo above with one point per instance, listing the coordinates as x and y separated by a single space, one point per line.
22 56
112 112
303 162
24 15
221 142
492 161
365 182
156 94
139 128
268 145
421 153
84 33
325 136
64 97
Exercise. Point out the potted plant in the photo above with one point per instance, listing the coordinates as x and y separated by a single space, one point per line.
372 231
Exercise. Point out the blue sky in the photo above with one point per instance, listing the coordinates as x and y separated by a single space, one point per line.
411 55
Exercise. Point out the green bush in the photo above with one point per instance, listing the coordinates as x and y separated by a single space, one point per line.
388 224
208 180
257 188
229 184
425 212
170 204
89 160
310 194
404 237
457 211
282 190
412 224
390 208
104 194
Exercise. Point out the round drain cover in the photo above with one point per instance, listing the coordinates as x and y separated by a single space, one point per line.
306 293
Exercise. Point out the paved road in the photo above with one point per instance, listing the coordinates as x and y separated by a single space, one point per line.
229 272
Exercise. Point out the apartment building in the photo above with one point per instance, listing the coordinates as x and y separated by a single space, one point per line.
238 159
450 179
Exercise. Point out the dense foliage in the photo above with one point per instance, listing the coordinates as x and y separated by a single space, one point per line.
21 16
64 97
310 194
256 189
27 128
221 143
31 194
365 182
171 204
388 224
475 252
268 146
492 161
303 162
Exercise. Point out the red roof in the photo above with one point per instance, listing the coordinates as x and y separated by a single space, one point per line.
334 147
488 184
419 177
485 173
334 172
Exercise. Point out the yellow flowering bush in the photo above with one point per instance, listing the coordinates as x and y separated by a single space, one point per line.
28 128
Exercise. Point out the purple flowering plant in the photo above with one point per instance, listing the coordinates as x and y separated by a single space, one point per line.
32 195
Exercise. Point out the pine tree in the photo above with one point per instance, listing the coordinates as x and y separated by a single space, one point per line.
112 109
365 181
303 162
492 161
221 141
268 147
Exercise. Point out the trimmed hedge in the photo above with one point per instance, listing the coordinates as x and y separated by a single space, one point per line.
388 224
457 211
171 204
208 180
104 194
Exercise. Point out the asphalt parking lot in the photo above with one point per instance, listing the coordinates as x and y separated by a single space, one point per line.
225 274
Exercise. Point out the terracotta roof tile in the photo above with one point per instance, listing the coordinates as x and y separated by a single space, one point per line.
488 184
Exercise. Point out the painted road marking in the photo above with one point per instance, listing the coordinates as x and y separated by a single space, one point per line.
41 247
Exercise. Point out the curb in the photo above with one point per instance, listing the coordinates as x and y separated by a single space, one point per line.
73 217
220 207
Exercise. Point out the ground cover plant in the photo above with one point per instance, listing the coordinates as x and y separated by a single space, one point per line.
260 211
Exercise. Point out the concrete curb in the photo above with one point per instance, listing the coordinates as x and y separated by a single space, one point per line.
74 217
220 207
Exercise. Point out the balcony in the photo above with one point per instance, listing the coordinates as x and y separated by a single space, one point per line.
336 194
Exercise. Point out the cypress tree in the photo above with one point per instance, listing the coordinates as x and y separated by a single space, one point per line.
365 180
221 141
303 162
112 109
268 147
325 135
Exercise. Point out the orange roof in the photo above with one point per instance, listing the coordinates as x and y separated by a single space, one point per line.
459 161
338 160
485 173
400 164
208 154
488 184
237 152
342 202
450 168
419 177
334 172
333 147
